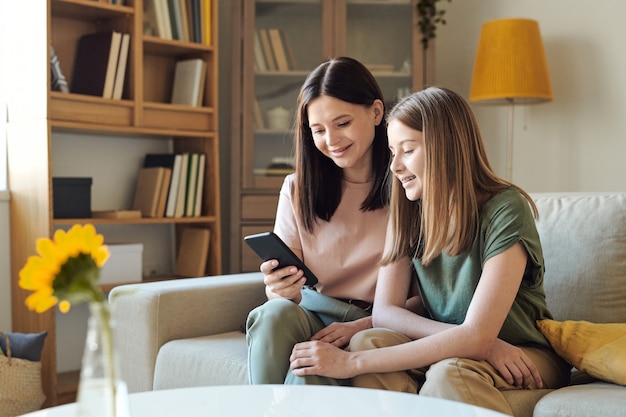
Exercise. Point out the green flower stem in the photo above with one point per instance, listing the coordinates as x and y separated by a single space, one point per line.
102 309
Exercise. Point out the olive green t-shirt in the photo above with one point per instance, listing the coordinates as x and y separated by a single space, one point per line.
448 284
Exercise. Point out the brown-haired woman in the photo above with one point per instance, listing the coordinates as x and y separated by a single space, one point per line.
332 212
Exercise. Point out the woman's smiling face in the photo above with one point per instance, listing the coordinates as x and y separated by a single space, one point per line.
344 132
407 158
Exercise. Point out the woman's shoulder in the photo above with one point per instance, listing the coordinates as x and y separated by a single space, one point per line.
289 182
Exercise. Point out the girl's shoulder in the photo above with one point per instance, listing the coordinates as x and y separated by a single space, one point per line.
509 201
508 196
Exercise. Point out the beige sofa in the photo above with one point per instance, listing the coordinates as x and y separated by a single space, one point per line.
186 332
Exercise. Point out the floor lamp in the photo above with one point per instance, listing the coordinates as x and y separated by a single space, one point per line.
510 68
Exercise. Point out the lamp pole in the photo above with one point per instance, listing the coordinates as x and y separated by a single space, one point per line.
509 141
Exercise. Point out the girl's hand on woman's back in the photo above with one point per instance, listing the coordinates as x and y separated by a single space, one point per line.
284 282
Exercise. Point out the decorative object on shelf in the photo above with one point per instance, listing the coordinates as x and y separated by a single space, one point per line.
429 17
510 68
278 118
57 78
66 272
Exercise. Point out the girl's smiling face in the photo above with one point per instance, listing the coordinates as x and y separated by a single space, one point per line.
407 158
344 132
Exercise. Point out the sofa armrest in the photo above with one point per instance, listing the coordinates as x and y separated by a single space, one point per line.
148 315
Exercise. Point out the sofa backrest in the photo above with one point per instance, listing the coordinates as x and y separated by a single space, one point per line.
583 236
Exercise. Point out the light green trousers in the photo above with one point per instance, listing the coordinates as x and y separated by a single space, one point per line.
273 328
458 379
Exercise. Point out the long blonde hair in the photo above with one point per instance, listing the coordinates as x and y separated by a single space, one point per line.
457 180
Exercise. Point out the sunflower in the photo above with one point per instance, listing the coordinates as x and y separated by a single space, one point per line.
66 271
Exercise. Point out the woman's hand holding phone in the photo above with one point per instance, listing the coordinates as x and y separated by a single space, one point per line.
283 282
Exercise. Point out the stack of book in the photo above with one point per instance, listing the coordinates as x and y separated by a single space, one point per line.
273 51
170 185
100 64
183 20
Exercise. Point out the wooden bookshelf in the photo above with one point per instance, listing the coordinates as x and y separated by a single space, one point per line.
38 117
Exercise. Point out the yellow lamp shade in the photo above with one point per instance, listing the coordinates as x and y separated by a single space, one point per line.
510 64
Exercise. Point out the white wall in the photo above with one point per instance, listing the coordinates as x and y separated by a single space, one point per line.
577 142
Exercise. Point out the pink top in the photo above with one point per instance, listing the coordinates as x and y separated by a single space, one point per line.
343 253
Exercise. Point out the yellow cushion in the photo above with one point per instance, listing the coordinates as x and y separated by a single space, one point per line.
596 348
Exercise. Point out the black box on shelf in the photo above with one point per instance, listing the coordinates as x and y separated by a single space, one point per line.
71 197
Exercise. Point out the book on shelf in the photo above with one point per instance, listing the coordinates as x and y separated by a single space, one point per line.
201 87
120 72
279 51
148 191
150 21
267 50
172 196
161 17
259 58
58 81
291 59
205 10
172 162
165 186
259 123
192 179
165 160
184 16
193 252
196 18
171 7
199 186
95 63
189 79
179 207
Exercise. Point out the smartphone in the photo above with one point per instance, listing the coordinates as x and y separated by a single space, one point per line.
269 246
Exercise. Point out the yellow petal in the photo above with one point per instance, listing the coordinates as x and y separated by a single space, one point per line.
37 273
101 255
64 306
41 300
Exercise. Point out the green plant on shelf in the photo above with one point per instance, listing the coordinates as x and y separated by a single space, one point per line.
429 17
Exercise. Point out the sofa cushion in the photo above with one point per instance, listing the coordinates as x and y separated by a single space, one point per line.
595 399
596 348
24 345
202 361
583 236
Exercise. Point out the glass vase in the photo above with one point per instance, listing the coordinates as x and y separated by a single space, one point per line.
101 392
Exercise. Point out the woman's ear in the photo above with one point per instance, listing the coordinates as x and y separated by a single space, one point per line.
379 111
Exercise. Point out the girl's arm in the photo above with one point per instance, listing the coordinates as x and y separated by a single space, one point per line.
473 339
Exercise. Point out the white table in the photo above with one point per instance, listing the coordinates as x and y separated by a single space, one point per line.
284 401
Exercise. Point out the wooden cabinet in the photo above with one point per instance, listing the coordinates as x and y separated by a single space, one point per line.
51 133
383 34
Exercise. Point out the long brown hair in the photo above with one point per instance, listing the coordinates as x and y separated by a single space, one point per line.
319 186
458 179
